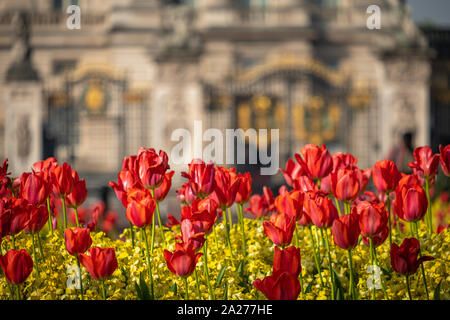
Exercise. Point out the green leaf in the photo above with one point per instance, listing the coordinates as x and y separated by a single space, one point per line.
437 291
338 287
241 268
308 288
138 291
225 293
144 288
174 288
220 276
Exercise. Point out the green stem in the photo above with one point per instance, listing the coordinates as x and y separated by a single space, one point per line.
198 284
422 268
64 211
352 284
13 239
103 289
381 276
244 243
40 246
149 262
297 244
132 234
230 217
313 242
153 234
227 231
215 238
159 219
18 292
429 216
187 288
81 278
388 204
76 217
205 255
408 287
330 264
50 224
337 206
373 265
36 263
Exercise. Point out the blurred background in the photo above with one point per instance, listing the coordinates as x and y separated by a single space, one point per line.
137 70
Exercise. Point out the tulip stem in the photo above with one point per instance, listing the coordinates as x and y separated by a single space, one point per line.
187 288
50 225
205 255
230 217
159 218
64 211
352 280
81 278
388 204
18 292
244 243
381 278
429 216
153 234
297 244
149 262
103 289
228 235
373 267
13 239
407 287
132 234
40 246
198 284
421 265
313 242
338 207
330 264
34 254
76 217
215 238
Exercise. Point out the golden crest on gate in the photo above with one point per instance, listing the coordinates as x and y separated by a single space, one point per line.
95 97
316 121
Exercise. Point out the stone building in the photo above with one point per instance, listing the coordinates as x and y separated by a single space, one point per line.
139 69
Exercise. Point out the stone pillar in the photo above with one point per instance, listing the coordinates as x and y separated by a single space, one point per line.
23 102
405 101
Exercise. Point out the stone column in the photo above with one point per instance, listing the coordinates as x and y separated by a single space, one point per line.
23 102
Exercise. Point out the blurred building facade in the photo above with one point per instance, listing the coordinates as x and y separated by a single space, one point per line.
137 70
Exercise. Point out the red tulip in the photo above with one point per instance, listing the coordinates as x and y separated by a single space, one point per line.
445 159
346 231
293 172
101 262
5 218
404 258
305 220
345 184
316 162
410 203
426 163
372 218
192 234
261 205
163 190
225 189
290 203
305 184
201 177
282 286
37 218
152 167
202 213
16 265
34 187
280 229
343 161
62 180
378 239
19 216
78 240
185 194
320 209
181 262
78 195
244 190
140 212
385 175
363 178
46 165
287 260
